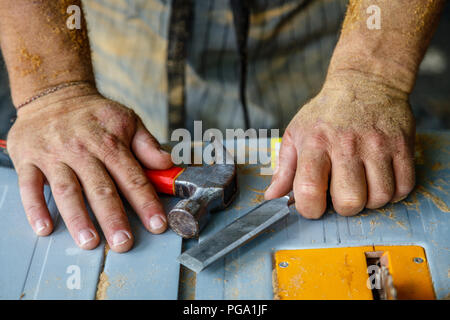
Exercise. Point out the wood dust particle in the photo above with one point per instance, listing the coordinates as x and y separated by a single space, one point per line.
276 293
248 170
437 166
258 198
31 62
413 203
438 202
103 282
102 287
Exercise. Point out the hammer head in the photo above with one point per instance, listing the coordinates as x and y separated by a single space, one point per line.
205 189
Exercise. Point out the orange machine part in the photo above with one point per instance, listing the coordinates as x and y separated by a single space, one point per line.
342 273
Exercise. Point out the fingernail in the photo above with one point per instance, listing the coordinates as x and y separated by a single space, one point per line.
40 225
86 235
120 237
156 222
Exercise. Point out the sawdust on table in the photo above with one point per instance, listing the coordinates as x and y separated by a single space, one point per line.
102 287
258 198
237 207
427 187
437 166
103 281
438 202
388 213
431 141
276 292
248 169
412 202
259 195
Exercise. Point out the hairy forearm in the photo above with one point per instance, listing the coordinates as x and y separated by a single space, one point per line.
392 53
39 49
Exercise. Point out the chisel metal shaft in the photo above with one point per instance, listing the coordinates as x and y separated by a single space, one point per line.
239 232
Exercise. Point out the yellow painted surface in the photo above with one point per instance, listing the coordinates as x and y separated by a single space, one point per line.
341 273
275 144
412 280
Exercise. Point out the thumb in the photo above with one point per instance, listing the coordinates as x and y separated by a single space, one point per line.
148 150
284 174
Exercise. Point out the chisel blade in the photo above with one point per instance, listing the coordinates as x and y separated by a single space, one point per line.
237 233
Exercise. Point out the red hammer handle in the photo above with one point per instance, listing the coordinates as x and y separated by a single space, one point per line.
164 180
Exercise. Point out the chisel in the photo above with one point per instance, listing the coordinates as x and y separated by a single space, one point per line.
237 233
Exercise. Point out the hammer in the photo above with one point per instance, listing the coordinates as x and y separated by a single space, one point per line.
204 189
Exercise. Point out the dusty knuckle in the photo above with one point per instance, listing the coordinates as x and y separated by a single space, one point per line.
123 122
75 220
376 142
15 144
151 205
316 141
34 210
110 142
103 192
137 182
109 148
77 146
310 191
348 144
404 145
64 189
115 221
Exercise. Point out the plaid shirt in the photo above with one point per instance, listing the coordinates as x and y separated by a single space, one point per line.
178 61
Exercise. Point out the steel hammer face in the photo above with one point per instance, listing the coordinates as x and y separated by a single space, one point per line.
205 189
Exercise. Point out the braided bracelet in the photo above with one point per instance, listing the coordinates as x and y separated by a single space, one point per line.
51 90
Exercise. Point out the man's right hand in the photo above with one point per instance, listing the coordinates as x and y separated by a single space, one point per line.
81 142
